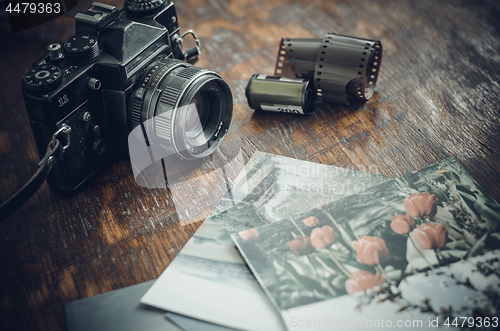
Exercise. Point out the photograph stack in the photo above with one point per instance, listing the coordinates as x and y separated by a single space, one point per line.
298 245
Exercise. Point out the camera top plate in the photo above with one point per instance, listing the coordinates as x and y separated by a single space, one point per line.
143 7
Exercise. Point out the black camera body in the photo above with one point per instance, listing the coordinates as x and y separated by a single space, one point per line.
120 69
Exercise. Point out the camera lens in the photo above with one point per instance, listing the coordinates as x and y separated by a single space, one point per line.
184 109
197 117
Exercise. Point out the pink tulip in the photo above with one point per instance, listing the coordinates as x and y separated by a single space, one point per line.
421 205
371 250
300 245
311 221
248 234
362 280
323 237
402 224
430 235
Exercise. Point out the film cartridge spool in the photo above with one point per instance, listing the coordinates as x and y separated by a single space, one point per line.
343 68
280 94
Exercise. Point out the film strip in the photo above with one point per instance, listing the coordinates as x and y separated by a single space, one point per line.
346 68
342 68
297 57
283 67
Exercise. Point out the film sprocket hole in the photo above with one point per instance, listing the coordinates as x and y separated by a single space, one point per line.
121 69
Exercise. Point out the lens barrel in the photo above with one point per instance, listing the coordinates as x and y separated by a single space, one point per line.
184 109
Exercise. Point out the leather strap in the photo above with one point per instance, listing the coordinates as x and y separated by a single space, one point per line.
54 154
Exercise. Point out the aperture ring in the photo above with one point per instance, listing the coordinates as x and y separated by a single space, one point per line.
171 99
164 111
143 92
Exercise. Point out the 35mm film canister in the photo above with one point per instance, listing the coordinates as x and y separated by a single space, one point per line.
280 94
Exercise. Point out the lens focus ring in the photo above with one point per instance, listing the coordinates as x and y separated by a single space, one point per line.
171 93
170 98
144 92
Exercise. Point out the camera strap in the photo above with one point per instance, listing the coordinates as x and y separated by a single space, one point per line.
55 151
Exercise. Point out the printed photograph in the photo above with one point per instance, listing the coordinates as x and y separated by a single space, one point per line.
270 189
416 223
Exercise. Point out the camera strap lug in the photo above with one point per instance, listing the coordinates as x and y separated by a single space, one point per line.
64 129
193 51
54 154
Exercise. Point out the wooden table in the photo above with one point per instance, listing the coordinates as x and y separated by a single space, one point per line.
437 96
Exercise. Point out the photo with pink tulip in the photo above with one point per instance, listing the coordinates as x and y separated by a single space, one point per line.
416 223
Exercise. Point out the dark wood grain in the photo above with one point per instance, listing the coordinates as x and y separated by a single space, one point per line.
437 96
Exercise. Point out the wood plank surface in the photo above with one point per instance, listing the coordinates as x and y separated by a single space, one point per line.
437 96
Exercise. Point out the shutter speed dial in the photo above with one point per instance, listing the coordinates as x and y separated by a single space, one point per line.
44 77
143 7
81 49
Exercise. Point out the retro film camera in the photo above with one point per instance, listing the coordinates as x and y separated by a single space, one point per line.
121 69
